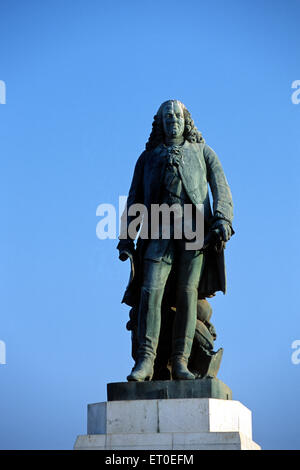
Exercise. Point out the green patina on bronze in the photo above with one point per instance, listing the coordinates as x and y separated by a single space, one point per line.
172 336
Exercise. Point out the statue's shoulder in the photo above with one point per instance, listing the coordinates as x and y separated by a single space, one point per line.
195 146
209 154
208 150
195 149
142 157
156 150
201 145
151 155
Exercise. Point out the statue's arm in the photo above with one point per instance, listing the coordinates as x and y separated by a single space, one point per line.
222 198
135 196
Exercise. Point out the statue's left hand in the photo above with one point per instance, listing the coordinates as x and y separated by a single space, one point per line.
224 228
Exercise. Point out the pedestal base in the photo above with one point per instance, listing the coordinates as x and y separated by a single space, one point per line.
159 389
168 424
167 441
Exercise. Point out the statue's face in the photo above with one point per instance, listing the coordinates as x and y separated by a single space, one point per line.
173 119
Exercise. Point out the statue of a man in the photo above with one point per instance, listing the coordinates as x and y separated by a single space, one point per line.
175 168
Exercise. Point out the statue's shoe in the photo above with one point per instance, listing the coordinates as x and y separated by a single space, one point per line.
180 371
143 370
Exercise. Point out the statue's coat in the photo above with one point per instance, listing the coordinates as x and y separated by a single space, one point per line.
199 167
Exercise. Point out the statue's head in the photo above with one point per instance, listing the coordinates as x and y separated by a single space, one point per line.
172 120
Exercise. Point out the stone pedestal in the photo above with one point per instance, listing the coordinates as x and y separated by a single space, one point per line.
168 423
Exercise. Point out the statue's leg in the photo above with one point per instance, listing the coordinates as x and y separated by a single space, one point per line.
189 271
149 319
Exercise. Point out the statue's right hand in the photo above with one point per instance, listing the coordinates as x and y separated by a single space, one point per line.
126 249
124 255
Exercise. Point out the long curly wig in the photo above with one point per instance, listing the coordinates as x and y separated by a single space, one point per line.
190 133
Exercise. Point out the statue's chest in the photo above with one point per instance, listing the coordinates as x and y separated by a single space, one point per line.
191 166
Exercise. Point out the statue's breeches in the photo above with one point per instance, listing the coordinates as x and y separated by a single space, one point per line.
189 265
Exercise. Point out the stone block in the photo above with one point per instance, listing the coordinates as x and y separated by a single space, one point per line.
140 416
168 424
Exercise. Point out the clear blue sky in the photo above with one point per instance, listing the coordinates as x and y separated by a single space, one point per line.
84 79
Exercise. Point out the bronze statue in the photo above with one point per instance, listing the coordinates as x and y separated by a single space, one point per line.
172 336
